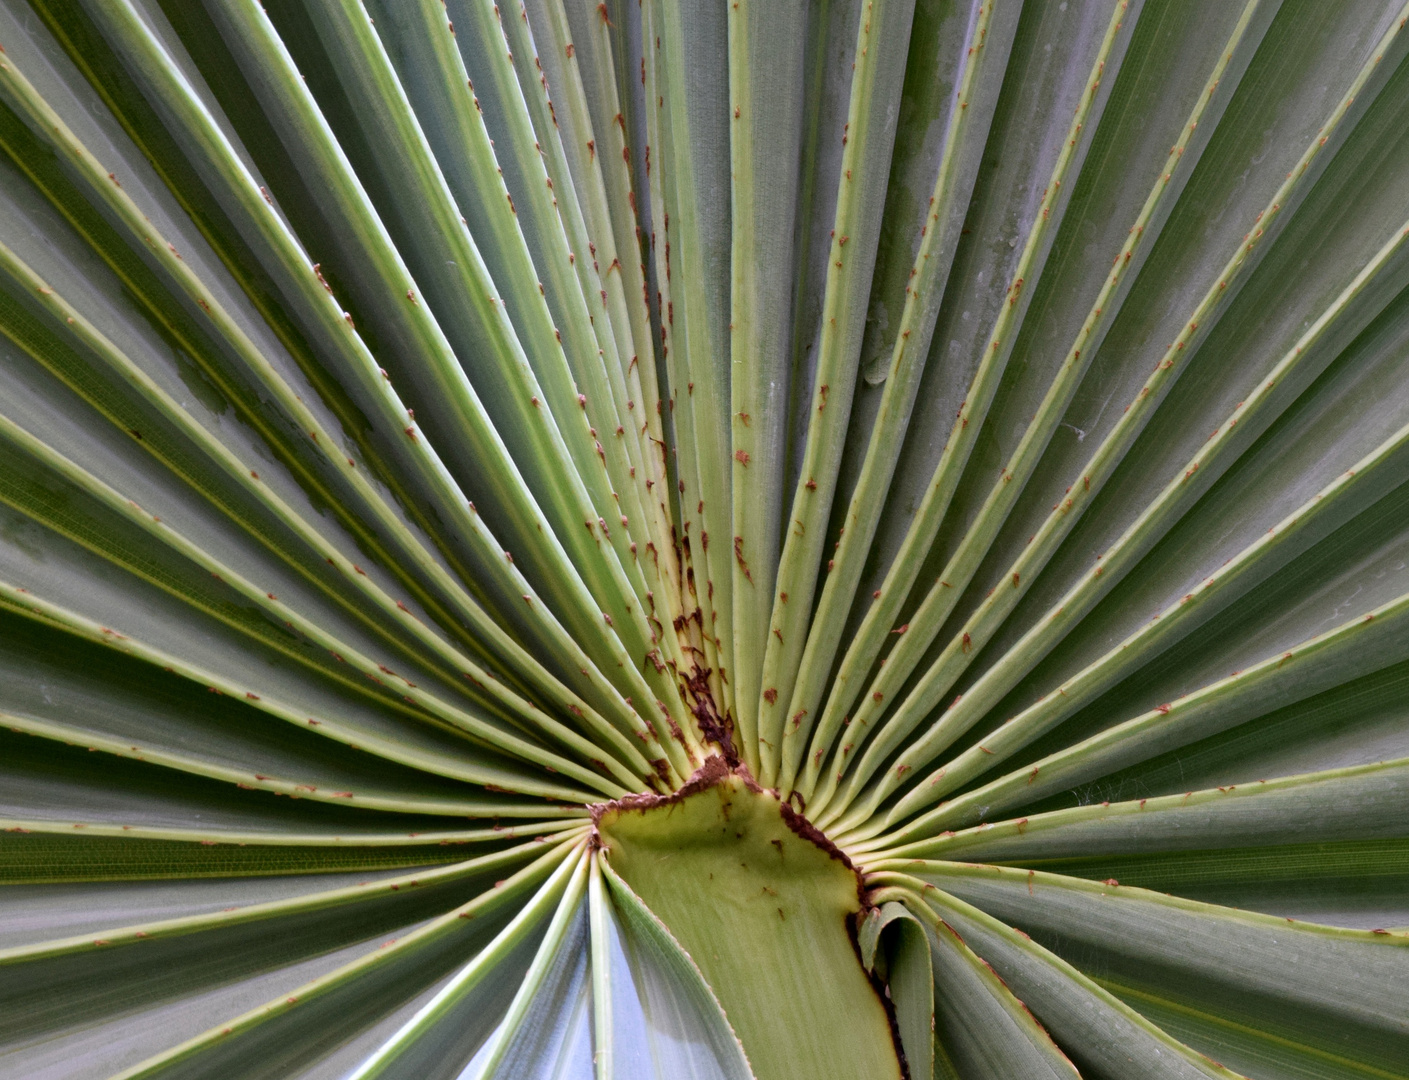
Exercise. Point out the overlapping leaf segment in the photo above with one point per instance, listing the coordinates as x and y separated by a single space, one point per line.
981 422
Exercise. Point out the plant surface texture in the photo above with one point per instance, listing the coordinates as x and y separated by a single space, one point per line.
704 539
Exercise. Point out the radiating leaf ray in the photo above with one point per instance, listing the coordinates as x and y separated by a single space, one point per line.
1108 1036
269 379
926 621
60 687
531 927
1278 101
1337 805
590 346
51 780
970 111
300 785
509 385
398 966
84 532
419 746
1339 323
52 853
61 982
1264 974
694 41
831 29
31 916
340 330
868 137
1353 724
1344 497
618 208
1026 275
539 1031
605 942
553 90
767 51
112 1043
1348 650
288 261
569 394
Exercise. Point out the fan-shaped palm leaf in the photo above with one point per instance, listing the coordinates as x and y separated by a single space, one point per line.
674 538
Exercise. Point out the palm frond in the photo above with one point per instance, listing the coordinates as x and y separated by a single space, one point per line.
693 539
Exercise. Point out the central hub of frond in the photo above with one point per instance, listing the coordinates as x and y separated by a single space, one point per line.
764 904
